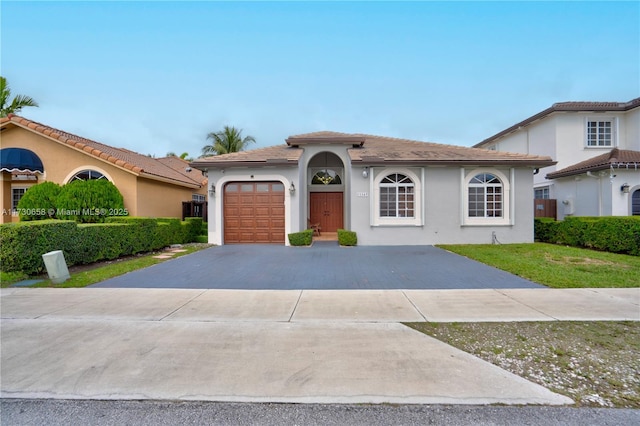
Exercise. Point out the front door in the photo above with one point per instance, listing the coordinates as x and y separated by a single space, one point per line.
326 209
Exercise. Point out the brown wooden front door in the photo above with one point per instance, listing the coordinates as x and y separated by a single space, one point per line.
327 210
254 212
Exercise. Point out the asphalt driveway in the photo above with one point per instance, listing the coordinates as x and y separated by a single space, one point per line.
324 265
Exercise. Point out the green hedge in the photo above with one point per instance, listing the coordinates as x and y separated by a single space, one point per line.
303 238
22 244
615 234
347 238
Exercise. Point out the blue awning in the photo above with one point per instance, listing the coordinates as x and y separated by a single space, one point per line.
14 160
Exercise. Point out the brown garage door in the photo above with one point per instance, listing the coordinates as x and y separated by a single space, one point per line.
254 212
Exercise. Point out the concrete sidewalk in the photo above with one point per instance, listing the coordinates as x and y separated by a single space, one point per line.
278 346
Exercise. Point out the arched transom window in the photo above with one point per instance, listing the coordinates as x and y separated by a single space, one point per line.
87 175
326 177
397 196
485 196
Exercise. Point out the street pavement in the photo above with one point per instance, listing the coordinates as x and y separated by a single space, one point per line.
169 413
302 346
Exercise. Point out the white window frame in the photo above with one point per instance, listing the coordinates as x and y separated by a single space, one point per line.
198 198
13 188
378 220
77 170
613 136
505 219
543 189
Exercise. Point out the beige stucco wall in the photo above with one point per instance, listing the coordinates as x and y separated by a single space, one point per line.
142 196
158 199
62 161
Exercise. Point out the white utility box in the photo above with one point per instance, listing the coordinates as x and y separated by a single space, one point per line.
56 266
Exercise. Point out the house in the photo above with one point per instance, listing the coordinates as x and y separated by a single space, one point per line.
596 146
150 187
389 191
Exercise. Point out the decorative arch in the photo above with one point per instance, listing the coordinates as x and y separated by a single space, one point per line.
88 168
634 201
397 197
325 169
486 197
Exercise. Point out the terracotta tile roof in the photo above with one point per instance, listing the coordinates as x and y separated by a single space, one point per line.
276 155
579 106
182 166
385 150
138 164
375 150
616 158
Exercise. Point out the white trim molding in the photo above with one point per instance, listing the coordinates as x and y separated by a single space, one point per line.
377 220
507 207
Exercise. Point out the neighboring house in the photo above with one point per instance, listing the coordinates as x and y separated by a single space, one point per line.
597 149
390 191
150 187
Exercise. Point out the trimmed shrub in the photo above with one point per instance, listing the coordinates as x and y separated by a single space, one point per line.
194 228
544 229
23 244
202 239
39 202
616 234
302 238
347 238
90 201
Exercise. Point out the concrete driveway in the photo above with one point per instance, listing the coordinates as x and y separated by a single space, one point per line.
325 265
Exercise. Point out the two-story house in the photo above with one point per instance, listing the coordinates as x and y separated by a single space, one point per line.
597 149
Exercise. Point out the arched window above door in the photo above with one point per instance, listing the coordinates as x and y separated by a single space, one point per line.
326 177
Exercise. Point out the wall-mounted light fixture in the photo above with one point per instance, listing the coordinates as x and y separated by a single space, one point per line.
212 189
365 172
624 188
292 189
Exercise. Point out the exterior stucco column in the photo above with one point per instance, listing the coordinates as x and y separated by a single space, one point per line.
5 196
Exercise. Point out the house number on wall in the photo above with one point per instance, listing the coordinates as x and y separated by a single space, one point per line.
362 194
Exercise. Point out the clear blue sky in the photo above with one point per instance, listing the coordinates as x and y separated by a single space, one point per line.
155 77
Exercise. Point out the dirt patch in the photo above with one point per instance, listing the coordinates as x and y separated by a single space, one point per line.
570 260
594 363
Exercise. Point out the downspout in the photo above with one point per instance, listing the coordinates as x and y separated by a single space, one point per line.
422 196
462 196
512 196
599 191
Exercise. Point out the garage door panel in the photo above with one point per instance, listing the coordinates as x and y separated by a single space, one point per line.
254 212
263 211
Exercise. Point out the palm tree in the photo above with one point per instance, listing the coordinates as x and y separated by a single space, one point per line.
183 156
16 104
225 141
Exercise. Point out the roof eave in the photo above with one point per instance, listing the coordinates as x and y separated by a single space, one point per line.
522 163
171 181
205 165
355 141
595 168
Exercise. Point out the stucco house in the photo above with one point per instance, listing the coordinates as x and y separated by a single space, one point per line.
390 191
596 146
150 187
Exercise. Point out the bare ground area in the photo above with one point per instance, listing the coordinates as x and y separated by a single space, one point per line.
597 364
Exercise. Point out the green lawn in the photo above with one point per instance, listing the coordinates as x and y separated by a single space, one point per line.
557 266
104 270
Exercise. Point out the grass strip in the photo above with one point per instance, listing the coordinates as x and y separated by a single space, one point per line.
557 266
113 268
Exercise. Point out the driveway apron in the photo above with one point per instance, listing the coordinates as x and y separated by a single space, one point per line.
324 265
